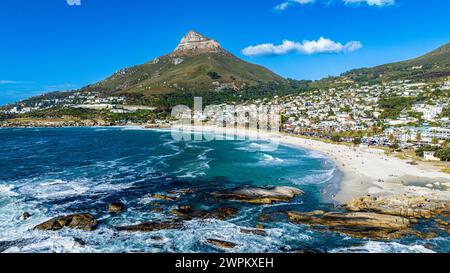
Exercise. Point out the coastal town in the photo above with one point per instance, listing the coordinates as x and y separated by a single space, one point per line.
398 114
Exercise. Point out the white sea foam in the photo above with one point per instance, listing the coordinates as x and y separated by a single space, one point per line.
270 159
315 177
385 247
7 191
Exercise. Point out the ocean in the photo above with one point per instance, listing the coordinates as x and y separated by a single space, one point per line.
54 172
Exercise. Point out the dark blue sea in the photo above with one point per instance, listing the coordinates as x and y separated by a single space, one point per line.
53 172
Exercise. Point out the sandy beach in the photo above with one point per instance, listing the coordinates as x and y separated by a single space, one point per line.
366 171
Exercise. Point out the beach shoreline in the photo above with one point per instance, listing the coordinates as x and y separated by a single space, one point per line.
365 171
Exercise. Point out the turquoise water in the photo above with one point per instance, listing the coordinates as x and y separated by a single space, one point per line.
52 172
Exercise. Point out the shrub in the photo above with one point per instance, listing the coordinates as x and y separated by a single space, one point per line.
214 75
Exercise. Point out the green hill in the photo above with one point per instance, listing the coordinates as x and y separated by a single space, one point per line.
433 65
198 64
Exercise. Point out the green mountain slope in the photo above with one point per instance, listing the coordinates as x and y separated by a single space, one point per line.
198 64
435 64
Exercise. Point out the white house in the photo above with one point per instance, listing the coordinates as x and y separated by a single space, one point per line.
429 156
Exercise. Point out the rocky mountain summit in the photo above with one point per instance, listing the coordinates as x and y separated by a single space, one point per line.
195 43
198 64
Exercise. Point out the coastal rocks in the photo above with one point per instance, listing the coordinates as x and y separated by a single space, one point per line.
116 207
261 196
221 244
151 226
403 205
76 221
181 191
222 213
353 219
163 197
357 224
259 232
25 216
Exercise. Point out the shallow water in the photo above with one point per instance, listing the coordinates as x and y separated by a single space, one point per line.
52 172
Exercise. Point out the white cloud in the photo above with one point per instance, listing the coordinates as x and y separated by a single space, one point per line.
289 3
322 45
371 2
282 6
11 82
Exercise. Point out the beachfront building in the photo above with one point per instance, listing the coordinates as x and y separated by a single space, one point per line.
429 156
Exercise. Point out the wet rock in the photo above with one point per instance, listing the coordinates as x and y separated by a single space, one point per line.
163 197
221 244
403 205
354 219
259 232
443 223
310 251
259 226
25 216
79 241
116 207
183 212
157 238
156 207
222 213
358 224
261 195
5 245
181 191
151 226
445 212
275 216
76 221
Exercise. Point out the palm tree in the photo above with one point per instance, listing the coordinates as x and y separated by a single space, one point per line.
419 137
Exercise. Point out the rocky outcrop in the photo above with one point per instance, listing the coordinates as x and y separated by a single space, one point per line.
403 205
116 207
25 216
181 191
163 197
195 43
259 232
357 224
353 219
75 221
222 213
221 244
151 226
261 195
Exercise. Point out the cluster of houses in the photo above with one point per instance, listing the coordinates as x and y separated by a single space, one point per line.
91 100
320 113
356 109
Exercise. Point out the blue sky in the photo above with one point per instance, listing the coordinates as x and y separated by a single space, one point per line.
48 45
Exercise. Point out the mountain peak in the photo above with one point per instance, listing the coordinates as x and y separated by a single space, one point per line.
195 43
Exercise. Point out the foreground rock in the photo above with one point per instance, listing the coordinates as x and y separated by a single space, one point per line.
75 221
404 206
259 232
163 197
222 213
116 207
25 216
221 244
261 195
358 224
151 226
